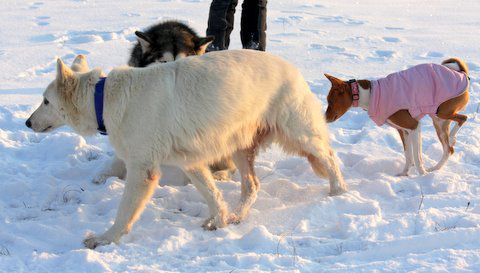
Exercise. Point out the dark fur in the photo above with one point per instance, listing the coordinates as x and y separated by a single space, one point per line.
169 36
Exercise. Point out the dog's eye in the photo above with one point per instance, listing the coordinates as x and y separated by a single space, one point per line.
45 101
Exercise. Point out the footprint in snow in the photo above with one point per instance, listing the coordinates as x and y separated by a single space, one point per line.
36 5
81 37
335 49
391 39
394 28
341 20
473 66
314 31
47 68
329 48
290 20
42 20
131 14
431 55
382 55
351 56
81 51
43 38
308 6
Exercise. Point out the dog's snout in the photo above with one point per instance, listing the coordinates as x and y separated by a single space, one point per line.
28 123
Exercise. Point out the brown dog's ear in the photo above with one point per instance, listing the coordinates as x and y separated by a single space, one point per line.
64 73
333 80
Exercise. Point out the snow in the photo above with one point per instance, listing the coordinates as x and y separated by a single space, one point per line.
383 224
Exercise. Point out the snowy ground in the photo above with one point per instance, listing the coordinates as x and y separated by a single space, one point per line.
384 223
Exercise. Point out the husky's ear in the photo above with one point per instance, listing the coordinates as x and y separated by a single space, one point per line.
144 40
64 74
202 43
80 64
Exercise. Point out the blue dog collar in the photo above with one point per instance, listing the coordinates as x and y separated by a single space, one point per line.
98 98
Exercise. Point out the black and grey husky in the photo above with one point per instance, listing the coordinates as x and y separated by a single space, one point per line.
166 42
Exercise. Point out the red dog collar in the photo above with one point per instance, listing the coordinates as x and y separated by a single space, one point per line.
355 92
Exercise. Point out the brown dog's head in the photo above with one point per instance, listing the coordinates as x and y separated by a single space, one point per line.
339 99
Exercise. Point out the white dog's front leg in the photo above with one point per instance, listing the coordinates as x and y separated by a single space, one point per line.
416 140
116 167
202 179
140 185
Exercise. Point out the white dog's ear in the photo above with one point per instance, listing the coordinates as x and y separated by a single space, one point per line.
80 64
64 73
144 40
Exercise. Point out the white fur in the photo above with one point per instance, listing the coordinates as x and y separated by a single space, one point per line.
364 97
190 113
453 66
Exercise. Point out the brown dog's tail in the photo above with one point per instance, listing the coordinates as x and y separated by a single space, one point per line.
456 64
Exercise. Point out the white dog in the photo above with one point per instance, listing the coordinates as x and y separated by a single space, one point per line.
190 113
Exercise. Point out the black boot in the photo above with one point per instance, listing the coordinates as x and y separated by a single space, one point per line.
220 23
254 24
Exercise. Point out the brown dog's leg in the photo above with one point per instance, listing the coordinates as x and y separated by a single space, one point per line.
407 149
460 120
442 126
449 110
403 138
412 132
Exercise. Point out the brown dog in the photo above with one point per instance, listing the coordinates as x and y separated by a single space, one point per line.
403 98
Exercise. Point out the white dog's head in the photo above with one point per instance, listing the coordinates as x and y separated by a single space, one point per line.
60 100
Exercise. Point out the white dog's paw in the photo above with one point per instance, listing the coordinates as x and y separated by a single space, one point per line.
100 178
233 218
213 223
338 190
422 171
92 241
222 175
403 173
432 169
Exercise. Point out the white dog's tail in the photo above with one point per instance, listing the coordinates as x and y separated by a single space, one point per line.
456 64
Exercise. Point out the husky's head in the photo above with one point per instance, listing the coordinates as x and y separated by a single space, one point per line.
63 101
166 42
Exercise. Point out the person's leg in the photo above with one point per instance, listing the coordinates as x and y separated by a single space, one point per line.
217 23
254 24
262 24
230 21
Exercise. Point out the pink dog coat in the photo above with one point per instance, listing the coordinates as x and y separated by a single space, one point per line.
420 89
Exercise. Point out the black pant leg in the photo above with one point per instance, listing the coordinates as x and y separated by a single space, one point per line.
254 23
230 21
218 24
